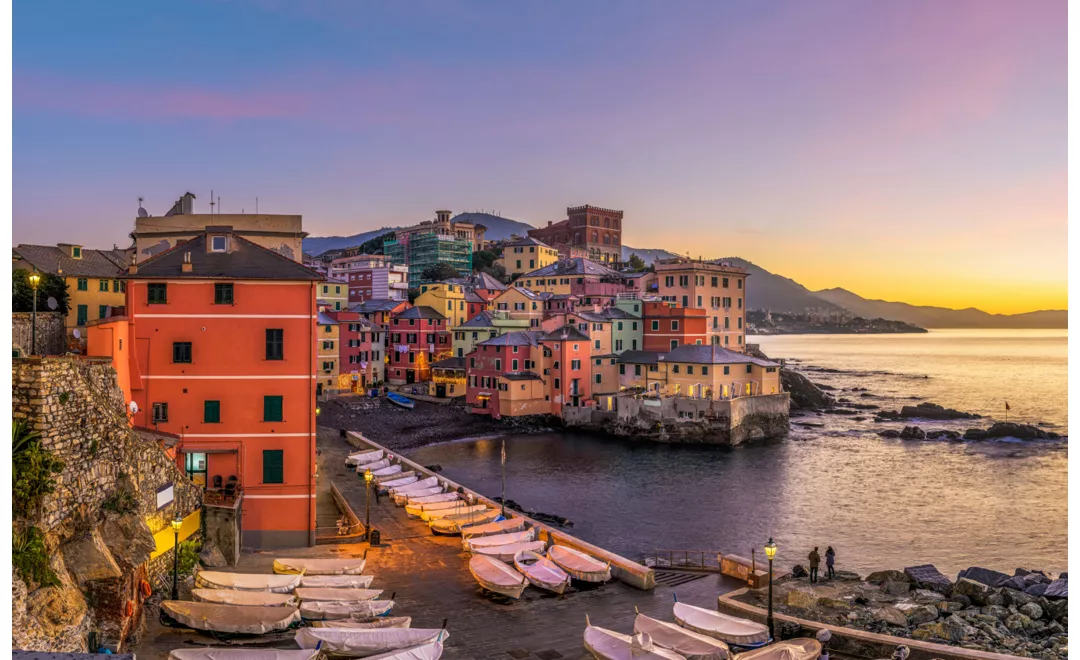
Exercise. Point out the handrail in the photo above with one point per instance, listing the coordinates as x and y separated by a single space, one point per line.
694 560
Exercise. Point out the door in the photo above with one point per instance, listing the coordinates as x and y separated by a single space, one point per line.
195 467
440 391
318 389
410 376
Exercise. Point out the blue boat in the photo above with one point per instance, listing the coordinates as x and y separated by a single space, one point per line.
403 401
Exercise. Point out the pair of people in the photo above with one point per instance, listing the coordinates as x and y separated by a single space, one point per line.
815 561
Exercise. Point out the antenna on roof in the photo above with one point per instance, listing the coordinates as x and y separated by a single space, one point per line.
142 212
256 204
211 201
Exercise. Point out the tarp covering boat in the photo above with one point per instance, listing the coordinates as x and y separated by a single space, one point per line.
327 611
359 643
687 643
498 539
426 482
350 566
281 584
401 498
579 565
426 497
610 645
375 465
361 457
368 622
429 651
401 481
464 508
337 581
496 576
244 619
417 509
332 595
453 524
540 571
386 471
489 529
227 653
237 597
730 629
802 648
507 552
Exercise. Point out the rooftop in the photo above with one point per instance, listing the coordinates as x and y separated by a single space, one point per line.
702 354
575 266
514 338
449 363
420 313
376 305
479 281
244 260
58 260
567 332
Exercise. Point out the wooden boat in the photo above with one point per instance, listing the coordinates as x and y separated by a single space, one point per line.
429 651
610 645
726 628
403 401
229 653
427 482
802 648
427 515
403 480
337 581
497 539
540 571
380 483
335 595
416 510
334 611
687 643
236 597
281 584
492 528
508 551
401 498
453 524
350 566
240 619
367 623
579 565
428 496
386 471
361 457
381 463
358 642
496 576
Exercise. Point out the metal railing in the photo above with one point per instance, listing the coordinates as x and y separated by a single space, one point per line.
686 560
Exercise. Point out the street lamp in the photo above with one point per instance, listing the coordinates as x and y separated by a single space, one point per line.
368 477
770 552
177 523
35 279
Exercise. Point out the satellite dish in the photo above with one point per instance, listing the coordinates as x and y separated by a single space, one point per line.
143 213
133 407
51 302
76 333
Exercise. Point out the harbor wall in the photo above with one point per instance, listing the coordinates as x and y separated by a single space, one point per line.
622 569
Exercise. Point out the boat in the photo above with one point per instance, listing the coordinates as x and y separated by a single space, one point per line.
492 528
350 566
687 643
400 481
427 482
429 651
609 645
540 571
403 401
381 463
361 457
496 576
334 611
367 623
386 471
230 653
418 502
335 595
402 498
508 551
726 628
337 581
802 648
579 565
416 510
235 597
358 642
454 524
281 584
427 515
497 539
241 619
380 483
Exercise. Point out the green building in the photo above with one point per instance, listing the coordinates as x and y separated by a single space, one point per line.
418 250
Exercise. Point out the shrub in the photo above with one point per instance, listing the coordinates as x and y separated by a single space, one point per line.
32 469
31 558
189 556
121 502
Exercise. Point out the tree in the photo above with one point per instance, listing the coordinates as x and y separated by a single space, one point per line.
498 272
51 286
413 294
439 273
483 260
635 263
375 245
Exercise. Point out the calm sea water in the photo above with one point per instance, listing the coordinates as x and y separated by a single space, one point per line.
880 503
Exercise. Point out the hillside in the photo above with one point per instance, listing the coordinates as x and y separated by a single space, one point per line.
942 317
765 290
647 255
497 229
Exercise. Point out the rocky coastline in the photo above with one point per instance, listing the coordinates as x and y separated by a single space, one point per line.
1024 614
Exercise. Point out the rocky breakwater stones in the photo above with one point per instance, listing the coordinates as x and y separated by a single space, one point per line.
924 410
1010 430
927 576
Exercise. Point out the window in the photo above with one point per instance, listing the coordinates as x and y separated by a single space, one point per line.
622 369
674 344
514 364
272 409
725 282
82 284
161 412
749 368
669 280
714 280
217 243
690 370
727 370
597 344
337 289
598 362
223 294
273 466
275 344
76 252
82 312
740 322
704 371
211 412
739 283
674 368
116 286
656 325
674 325
103 285
637 369
575 365
472 363
598 378
684 280
498 364
181 351
156 294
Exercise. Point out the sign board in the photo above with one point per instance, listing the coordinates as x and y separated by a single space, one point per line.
164 496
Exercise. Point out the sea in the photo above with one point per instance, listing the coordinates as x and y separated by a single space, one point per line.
880 503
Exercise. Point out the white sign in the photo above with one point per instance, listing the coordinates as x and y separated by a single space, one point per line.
164 496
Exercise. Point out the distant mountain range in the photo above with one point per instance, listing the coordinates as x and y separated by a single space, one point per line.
767 290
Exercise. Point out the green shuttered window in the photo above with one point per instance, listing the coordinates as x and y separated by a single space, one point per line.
272 409
212 412
273 466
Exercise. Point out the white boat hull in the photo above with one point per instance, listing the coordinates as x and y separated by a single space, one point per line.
431 651
363 457
687 643
228 653
241 619
492 528
507 552
610 645
497 539
237 597
337 581
279 584
802 648
333 611
352 566
579 565
541 572
334 595
368 623
454 524
496 576
427 515
360 643
728 629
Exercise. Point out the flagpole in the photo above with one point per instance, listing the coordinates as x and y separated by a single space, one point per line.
504 478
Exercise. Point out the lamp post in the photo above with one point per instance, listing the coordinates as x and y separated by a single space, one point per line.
770 552
176 524
368 477
35 279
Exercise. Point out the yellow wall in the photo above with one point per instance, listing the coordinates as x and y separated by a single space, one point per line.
164 540
335 294
446 299
93 297
523 397
330 353
529 259
715 384
511 301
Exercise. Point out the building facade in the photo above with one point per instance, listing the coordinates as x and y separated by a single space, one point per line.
596 230
362 352
327 346
520 303
433 242
526 255
563 277
482 327
716 287
699 372
377 282
334 294
447 299
668 325
418 337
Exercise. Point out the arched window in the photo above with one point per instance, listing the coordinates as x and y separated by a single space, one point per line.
607 240
595 237
607 223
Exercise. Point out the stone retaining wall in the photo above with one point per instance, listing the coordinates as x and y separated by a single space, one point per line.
51 333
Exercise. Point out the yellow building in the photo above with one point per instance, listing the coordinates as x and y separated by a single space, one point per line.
327 354
446 299
520 303
92 276
526 255
484 326
333 294
716 287
561 276
700 372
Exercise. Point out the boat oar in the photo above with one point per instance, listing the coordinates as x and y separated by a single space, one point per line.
676 596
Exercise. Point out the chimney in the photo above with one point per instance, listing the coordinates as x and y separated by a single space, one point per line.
549 223
186 266
132 268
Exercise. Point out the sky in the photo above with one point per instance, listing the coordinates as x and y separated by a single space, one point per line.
911 151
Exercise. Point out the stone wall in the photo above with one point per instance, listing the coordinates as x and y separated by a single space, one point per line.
100 556
51 333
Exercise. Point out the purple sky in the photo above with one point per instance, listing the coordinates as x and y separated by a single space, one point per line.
903 150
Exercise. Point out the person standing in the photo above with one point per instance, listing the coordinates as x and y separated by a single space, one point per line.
830 559
815 561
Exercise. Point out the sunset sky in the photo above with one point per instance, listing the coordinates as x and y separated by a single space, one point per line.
910 151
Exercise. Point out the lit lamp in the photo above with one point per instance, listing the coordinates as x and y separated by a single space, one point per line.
35 279
317 410
368 478
770 552
177 523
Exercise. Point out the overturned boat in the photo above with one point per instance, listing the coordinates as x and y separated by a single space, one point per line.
508 551
236 619
358 643
333 595
362 457
453 524
337 610
802 648
281 584
374 465
381 482
492 528
387 471
229 653
351 566
609 645
497 577
417 509
497 539
579 565
403 480
541 572
687 643
237 597
337 581
427 515
367 623
732 630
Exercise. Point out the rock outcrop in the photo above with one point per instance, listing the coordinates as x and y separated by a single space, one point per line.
1011 430
805 395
